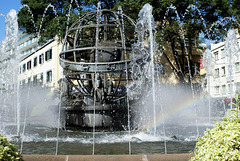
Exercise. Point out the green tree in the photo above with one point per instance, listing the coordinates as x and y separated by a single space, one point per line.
177 38
55 20
106 4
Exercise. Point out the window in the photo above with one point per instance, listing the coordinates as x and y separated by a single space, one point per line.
216 55
41 59
237 84
35 80
48 55
24 68
29 81
35 62
223 89
230 88
223 71
237 67
217 89
217 72
29 64
222 53
41 78
49 76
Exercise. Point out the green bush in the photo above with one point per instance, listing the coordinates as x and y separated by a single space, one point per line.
222 142
8 151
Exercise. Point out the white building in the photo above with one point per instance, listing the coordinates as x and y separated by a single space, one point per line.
223 75
42 66
27 43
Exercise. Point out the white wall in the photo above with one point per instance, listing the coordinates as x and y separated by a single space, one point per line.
49 65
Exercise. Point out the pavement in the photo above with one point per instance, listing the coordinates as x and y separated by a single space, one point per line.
153 157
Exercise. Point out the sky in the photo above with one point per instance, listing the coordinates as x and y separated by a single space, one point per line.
5 7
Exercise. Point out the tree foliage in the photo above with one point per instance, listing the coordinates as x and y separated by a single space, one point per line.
48 18
8 151
178 28
223 141
106 4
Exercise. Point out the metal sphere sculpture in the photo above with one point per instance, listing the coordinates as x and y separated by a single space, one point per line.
96 57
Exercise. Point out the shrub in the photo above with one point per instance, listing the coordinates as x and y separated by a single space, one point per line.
222 142
8 151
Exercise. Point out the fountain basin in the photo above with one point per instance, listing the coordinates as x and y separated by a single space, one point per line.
156 157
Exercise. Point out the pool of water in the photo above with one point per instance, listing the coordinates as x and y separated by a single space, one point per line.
44 140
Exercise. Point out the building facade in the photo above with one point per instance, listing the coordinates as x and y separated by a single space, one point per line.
27 43
42 66
223 73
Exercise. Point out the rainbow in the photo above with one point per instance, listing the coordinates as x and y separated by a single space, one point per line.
188 103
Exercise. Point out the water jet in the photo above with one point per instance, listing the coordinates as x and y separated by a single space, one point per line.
112 100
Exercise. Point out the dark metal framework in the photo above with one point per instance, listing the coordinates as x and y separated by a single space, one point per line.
96 61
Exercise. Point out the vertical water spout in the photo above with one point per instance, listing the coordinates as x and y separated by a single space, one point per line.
232 49
209 61
207 64
25 116
59 115
56 16
11 40
147 11
125 58
98 19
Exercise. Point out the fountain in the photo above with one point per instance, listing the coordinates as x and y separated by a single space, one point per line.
9 83
95 62
112 100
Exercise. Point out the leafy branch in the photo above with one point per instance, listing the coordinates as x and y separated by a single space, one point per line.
223 141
